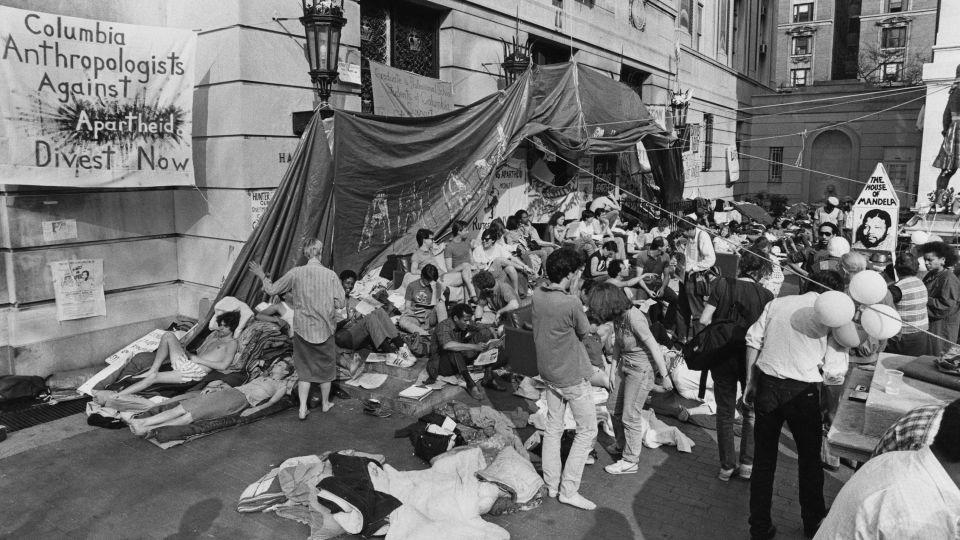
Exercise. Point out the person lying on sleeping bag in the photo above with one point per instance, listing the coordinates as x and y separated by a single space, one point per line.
217 352
219 399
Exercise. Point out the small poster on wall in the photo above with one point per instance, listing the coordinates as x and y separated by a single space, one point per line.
78 287
259 202
62 229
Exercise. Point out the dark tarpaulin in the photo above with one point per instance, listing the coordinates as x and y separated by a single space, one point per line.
388 177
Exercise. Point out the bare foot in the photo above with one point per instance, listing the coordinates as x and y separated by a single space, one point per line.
137 428
326 406
303 414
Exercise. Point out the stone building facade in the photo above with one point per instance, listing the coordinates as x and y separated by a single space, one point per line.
166 250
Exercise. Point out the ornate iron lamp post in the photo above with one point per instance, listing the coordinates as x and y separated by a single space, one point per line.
322 22
516 60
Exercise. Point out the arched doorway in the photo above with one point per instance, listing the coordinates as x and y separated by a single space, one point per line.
831 153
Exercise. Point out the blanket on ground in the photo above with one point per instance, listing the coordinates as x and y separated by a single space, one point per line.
195 430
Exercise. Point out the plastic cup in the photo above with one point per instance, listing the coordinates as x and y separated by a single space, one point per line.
894 381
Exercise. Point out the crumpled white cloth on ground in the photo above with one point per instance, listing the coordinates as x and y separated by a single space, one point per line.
656 433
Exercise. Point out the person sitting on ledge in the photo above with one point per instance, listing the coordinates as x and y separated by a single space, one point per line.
216 353
219 399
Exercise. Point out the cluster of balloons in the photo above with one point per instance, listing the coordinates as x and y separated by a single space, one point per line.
839 311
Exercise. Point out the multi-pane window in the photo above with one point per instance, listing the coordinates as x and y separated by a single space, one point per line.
707 141
896 6
803 12
893 38
776 164
798 77
892 71
399 34
801 45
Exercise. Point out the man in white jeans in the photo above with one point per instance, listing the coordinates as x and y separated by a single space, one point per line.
559 323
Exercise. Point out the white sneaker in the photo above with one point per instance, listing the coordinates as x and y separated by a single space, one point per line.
622 467
578 501
745 471
405 357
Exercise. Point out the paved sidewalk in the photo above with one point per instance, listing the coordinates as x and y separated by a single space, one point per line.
108 484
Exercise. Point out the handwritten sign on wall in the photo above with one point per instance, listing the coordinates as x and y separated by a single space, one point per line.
400 93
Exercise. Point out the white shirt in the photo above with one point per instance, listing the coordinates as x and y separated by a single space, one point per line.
700 255
792 344
484 257
657 232
822 216
898 496
605 203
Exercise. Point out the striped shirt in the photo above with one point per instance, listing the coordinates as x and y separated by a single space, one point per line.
315 294
912 307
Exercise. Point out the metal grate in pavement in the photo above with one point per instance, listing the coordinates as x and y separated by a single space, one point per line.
42 413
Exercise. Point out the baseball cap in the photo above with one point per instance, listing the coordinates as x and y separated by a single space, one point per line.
833 200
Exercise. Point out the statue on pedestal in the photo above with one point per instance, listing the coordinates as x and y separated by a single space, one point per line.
948 159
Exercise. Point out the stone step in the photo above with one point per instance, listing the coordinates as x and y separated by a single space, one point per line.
388 392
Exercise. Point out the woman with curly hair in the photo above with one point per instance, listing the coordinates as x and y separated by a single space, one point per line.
943 294
637 352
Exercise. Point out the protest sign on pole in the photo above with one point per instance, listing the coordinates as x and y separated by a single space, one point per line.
400 93
78 288
875 214
90 103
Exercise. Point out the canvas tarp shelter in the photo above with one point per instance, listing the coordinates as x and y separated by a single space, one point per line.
379 179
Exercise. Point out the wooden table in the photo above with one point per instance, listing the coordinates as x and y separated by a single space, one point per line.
845 437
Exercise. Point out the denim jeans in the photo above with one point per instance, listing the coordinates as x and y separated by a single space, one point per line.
798 404
579 397
725 393
634 381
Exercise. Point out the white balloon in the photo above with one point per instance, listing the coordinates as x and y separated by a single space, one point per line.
867 287
919 237
881 321
850 335
834 309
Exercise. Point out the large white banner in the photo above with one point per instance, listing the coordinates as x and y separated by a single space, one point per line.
90 103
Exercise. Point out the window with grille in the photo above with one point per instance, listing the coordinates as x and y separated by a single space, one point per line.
803 12
400 34
892 71
798 77
896 6
801 45
776 164
707 141
893 38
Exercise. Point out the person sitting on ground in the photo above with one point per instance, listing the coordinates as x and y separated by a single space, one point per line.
619 276
424 253
651 264
279 313
557 228
903 494
531 235
493 256
458 256
423 303
636 237
455 342
495 295
662 230
216 353
586 233
375 329
599 259
219 399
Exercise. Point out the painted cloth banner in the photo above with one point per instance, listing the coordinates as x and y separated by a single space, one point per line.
78 287
400 93
875 214
508 190
733 165
88 103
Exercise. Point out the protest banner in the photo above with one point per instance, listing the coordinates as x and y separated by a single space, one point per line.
78 288
510 185
875 214
90 103
400 93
